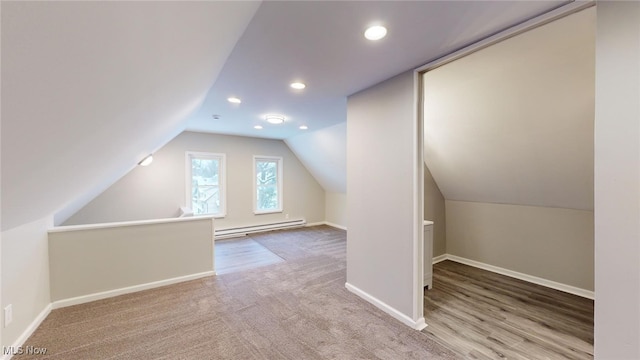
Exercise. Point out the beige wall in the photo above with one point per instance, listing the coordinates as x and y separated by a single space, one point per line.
617 179
434 210
336 209
513 123
511 150
158 190
85 262
550 243
25 275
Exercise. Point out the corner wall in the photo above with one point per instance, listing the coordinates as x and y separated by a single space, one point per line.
550 243
434 210
383 193
617 181
336 209
25 277
158 190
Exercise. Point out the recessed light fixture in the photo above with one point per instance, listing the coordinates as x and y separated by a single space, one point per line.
298 85
274 118
376 32
258 127
234 100
303 127
146 161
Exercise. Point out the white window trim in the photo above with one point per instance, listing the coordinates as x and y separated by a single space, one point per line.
278 159
222 179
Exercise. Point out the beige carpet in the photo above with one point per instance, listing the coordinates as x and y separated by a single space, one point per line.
296 309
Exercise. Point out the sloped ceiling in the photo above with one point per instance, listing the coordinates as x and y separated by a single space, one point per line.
321 43
324 154
513 123
90 88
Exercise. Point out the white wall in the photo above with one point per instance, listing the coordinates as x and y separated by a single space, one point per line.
158 190
336 209
25 275
550 243
617 179
1 342
384 218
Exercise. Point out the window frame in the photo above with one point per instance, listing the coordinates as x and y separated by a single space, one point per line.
279 182
222 180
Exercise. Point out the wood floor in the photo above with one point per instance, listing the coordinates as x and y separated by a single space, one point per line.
297 307
483 315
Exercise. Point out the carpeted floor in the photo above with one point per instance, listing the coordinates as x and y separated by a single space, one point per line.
296 309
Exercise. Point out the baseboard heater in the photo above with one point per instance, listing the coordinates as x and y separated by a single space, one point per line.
244 230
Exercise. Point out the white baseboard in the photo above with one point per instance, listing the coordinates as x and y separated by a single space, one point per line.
439 258
514 274
417 324
328 224
336 225
126 290
28 331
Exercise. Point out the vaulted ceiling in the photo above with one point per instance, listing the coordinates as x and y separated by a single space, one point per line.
513 123
89 88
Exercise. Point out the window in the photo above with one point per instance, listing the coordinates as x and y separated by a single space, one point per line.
205 183
267 190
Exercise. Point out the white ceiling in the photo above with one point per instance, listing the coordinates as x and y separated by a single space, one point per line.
322 44
323 153
513 123
89 88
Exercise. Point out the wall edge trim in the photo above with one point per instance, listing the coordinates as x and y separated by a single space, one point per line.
418 324
127 290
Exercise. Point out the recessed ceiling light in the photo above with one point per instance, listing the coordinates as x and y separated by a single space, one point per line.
376 32
257 127
298 85
303 127
274 118
234 100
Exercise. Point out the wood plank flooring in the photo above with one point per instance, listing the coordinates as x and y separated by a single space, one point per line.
483 315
